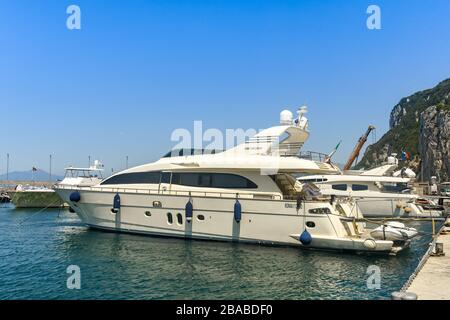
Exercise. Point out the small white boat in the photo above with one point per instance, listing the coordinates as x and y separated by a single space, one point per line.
394 231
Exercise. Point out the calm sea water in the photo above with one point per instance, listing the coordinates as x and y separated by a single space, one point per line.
36 248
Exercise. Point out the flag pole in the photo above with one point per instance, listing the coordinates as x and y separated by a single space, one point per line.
50 173
7 167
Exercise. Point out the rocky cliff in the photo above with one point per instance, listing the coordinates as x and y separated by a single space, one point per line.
434 143
419 125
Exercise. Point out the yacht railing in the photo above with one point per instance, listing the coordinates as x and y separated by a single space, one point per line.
259 195
312 155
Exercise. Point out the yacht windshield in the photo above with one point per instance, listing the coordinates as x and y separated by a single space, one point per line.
395 187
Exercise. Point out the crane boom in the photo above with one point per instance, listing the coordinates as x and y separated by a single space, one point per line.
358 148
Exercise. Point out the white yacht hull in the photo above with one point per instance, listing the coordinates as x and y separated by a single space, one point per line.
263 221
393 208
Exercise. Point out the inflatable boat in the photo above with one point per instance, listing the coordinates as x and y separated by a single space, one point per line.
393 230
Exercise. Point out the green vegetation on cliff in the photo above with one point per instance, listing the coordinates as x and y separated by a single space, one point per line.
404 125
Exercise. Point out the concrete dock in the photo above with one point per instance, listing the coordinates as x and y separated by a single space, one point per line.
431 281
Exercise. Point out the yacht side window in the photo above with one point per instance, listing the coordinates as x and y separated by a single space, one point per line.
152 177
320 211
213 180
360 187
340 187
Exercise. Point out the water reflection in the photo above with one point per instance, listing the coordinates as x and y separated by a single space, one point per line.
123 266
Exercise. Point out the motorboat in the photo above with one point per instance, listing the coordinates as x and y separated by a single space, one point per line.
394 230
377 196
247 193
379 192
4 198
32 196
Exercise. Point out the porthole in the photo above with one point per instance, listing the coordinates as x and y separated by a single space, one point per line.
169 218
200 217
310 224
148 214
157 204
179 219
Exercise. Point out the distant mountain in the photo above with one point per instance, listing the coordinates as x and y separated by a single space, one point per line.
420 125
39 175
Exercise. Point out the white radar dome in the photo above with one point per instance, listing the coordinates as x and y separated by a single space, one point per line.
286 118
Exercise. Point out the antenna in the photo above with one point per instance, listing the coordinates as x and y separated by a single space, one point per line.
50 172
7 167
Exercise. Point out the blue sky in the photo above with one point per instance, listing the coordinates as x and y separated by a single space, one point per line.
137 70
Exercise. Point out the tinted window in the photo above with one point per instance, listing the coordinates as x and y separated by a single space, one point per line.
206 180
342 187
214 180
221 180
359 187
188 179
134 178
169 218
165 177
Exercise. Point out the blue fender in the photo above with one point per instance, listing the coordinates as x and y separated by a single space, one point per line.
237 211
75 196
116 201
305 238
189 210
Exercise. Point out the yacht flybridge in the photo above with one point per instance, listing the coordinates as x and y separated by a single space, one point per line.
245 194
76 176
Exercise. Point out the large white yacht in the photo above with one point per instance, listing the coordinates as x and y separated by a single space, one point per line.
379 192
247 194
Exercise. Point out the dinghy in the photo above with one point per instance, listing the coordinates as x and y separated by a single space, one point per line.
393 230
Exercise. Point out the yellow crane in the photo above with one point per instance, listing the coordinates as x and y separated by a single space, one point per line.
358 148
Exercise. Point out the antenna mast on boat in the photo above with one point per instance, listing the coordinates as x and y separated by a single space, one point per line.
362 140
7 167
50 173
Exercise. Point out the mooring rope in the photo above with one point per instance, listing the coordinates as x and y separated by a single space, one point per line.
19 224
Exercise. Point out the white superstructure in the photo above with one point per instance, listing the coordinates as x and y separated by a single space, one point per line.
376 195
83 176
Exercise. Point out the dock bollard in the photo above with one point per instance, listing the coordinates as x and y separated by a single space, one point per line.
409 296
397 295
438 249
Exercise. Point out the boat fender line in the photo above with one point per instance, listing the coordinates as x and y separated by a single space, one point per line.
116 204
305 238
75 196
189 210
237 211
299 202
